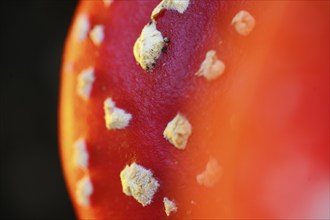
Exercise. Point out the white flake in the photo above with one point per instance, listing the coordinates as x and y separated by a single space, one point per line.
138 182
211 68
84 190
148 46
115 118
85 83
243 22
178 131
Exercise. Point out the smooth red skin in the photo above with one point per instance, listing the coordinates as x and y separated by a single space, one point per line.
276 84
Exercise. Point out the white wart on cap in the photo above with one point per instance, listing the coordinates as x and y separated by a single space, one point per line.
211 175
243 22
97 34
211 68
82 27
84 190
169 206
85 83
80 153
138 182
107 3
178 131
178 5
115 118
148 46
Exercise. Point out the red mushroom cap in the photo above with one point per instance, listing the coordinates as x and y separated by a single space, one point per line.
196 109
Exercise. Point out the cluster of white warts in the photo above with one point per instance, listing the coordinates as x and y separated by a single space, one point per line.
136 180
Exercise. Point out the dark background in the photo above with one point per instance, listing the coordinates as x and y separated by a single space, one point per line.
32 38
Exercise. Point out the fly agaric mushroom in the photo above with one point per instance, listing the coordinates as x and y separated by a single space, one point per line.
197 109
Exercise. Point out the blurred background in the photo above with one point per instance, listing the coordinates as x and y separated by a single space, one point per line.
32 39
